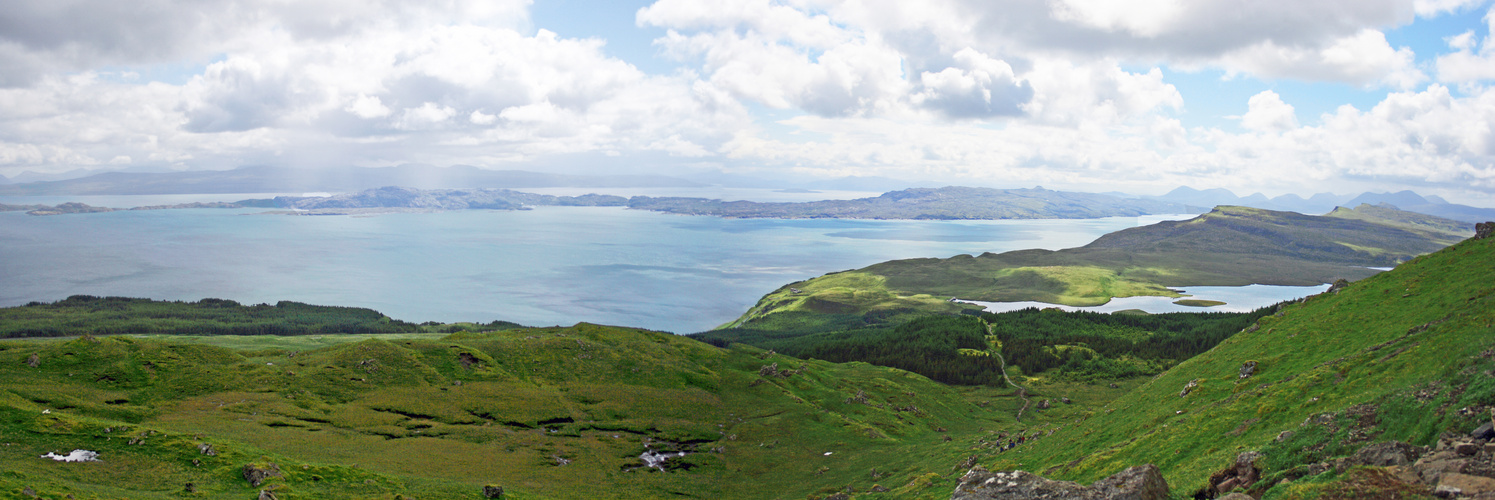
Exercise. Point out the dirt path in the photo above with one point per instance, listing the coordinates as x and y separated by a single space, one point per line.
1022 393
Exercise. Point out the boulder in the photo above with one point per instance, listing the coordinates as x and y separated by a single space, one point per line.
1486 431
1189 387
1338 285
1247 369
34 360
1242 474
1465 484
1388 453
1484 230
1044 405
256 474
491 491
1142 482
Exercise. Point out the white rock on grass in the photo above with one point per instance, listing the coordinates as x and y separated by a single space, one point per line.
75 456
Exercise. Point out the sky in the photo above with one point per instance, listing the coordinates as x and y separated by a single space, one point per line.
1299 96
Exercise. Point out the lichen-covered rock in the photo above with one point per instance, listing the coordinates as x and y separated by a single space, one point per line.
1484 230
1137 483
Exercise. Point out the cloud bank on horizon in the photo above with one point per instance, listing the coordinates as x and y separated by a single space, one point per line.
1278 96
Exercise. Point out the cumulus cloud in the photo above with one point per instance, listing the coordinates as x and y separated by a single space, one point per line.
1466 64
1364 59
1266 112
977 86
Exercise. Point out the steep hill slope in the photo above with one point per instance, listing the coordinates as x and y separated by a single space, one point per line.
1229 246
544 413
1402 355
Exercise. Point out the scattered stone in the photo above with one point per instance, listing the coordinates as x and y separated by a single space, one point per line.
1189 387
189 488
207 449
1236 496
878 488
491 491
1484 230
1248 369
1114 386
1044 405
1142 482
257 475
34 361
1065 400
1466 449
29 492
267 495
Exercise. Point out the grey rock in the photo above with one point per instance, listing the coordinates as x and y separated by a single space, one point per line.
1189 387
1387 453
257 475
1486 431
1484 230
491 491
1142 482
1236 496
34 361
1242 474
1248 369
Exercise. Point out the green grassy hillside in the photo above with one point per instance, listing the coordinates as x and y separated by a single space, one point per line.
1394 356
545 413
1230 246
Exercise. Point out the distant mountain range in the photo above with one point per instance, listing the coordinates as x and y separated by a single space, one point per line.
340 179
1322 203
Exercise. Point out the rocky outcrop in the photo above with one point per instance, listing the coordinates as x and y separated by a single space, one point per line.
1142 482
1242 474
1247 370
257 474
1189 387
1484 230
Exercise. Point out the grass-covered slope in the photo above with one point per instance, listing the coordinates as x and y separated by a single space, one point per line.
1230 246
1394 356
544 413
89 315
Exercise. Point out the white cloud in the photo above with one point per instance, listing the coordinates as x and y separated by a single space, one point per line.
1364 59
1466 64
976 87
480 118
1267 113
1434 8
367 107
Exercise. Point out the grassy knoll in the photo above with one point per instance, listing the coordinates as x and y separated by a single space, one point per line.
1230 246
545 413
1393 356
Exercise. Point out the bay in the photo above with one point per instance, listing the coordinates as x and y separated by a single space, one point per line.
551 265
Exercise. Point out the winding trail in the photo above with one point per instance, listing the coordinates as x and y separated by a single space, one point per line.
1022 393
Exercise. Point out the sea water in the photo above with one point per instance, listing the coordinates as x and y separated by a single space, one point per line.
547 266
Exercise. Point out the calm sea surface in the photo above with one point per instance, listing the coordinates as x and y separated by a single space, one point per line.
551 265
